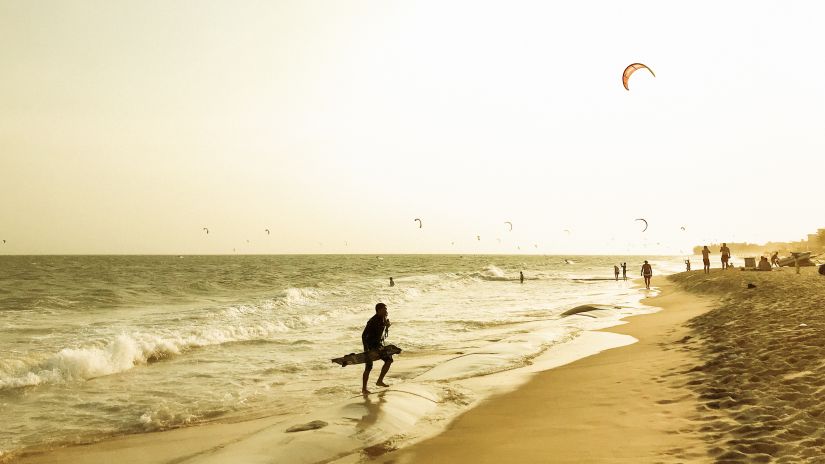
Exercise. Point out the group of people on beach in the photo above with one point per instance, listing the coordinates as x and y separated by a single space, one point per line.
647 272
616 271
726 263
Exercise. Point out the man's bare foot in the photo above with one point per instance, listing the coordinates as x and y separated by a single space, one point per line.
365 392
381 384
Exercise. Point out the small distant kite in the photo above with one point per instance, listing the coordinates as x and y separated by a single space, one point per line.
478 237
510 224
267 231
207 230
628 71
683 228
643 220
420 224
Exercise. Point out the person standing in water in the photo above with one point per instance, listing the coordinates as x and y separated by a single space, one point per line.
521 276
624 271
647 273
373 337
392 283
687 264
616 272
706 259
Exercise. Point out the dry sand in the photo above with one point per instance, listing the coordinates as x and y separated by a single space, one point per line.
762 382
629 404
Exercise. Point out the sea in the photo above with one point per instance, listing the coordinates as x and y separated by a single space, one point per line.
93 347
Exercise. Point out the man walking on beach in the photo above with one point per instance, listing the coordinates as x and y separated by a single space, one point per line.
373 339
624 271
725 255
521 276
616 272
647 273
706 259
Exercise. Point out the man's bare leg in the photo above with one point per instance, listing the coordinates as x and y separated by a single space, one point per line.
364 380
384 369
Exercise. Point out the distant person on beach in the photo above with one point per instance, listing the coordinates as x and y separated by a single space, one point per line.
392 282
687 265
725 255
775 259
647 273
706 259
373 339
624 271
764 265
616 272
521 276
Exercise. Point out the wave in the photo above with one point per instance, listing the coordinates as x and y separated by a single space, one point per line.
492 273
122 353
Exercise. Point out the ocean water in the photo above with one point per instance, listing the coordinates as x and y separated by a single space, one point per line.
98 346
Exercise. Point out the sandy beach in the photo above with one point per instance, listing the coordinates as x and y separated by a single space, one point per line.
629 404
725 373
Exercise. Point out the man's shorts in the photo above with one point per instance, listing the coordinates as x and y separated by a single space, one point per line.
385 358
706 262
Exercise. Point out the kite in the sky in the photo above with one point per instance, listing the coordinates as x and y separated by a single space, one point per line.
509 224
628 71
643 220
267 231
207 230
478 237
683 228
420 224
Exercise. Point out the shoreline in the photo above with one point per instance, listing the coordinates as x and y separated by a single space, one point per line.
393 416
628 404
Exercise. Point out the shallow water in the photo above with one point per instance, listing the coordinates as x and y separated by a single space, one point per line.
95 346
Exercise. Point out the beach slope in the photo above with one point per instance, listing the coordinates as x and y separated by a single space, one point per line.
628 404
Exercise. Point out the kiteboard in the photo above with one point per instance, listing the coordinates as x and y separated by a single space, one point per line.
361 358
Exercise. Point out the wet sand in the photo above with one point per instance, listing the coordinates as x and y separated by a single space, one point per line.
629 404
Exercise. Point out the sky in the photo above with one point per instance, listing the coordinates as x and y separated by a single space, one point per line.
127 127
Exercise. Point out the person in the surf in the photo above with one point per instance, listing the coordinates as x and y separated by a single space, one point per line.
616 272
392 282
373 339
521 276
647 273
624 271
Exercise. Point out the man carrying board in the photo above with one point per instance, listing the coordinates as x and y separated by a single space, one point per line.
373 339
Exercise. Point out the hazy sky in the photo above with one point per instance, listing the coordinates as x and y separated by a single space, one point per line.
127 127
